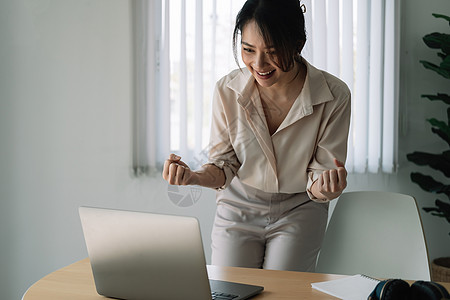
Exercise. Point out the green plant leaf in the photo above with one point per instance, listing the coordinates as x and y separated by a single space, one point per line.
438 162
434 211
446 48
428 184
434 40
446 154
442 97
437 40
442 55
445 64
440 124
442 17
441 134
444 208
437 69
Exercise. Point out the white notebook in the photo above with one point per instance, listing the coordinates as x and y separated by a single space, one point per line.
354 287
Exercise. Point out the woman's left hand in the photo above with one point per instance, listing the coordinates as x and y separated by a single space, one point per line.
330 183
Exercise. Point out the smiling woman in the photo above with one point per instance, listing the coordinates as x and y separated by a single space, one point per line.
190 42
272 193
280 40
275 81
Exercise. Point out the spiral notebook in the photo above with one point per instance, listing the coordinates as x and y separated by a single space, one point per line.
354 287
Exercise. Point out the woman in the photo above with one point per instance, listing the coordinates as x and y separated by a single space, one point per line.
278 139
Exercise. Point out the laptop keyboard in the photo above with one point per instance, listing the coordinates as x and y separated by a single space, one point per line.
222 296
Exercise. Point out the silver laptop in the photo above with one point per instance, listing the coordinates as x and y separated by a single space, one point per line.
137 255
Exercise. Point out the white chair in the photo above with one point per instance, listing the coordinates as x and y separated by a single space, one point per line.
378 234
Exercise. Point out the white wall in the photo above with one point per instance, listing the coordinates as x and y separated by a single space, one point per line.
65 130
414 132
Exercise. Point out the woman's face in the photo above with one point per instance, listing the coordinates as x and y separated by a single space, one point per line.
260 58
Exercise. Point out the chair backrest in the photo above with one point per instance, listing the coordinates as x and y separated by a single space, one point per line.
378 234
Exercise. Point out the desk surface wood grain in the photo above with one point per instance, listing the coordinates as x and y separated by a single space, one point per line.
76 282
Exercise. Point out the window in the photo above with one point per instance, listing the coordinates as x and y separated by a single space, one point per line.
184 46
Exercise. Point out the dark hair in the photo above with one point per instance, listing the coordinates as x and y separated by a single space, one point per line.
282 26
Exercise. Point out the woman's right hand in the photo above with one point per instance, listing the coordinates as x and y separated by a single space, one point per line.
176 172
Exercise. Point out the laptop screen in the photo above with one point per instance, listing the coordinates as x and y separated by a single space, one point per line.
140 255
136 255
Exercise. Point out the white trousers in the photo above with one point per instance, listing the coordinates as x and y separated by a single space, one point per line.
256 229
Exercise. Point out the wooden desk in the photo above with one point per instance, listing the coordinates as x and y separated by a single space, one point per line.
75 282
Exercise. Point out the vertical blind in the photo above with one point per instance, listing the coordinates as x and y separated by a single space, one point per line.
189 42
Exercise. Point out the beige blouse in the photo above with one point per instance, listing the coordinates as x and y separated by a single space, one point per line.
313 133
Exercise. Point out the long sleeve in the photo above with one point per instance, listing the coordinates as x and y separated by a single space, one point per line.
332 138
221 151
288 161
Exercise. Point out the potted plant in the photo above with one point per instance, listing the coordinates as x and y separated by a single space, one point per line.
440 161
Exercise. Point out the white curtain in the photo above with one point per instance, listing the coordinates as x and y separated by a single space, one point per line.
189 43
358 42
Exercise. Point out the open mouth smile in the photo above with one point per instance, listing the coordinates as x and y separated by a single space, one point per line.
265 73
